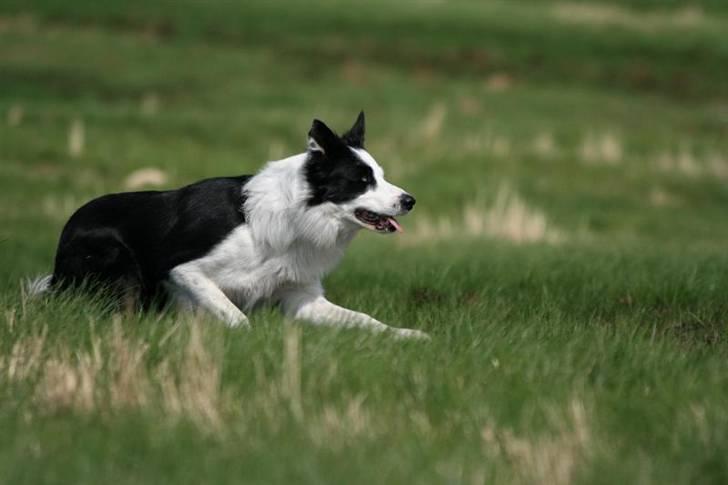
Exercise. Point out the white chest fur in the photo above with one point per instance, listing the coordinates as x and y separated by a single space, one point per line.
248 272
284 242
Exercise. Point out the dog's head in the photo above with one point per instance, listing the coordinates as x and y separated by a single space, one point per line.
341 172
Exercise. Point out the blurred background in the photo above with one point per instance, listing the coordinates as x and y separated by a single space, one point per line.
578 122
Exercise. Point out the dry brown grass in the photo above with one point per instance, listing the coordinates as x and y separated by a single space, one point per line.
499 82
15 115
194 390
337 426
605 15
76 138
25 357
487 143
601 149
684 161
291 374
660 197
114 375
149 104
21 23
145 177
508 217
545 146
433 122
550 458
278 398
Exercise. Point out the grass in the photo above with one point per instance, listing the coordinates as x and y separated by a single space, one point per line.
567 253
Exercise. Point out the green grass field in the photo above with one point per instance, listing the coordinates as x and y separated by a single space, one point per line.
568 253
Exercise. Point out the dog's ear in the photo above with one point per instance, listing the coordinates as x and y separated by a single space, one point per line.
355 136
321 138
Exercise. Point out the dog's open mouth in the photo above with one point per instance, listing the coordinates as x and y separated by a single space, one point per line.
377 222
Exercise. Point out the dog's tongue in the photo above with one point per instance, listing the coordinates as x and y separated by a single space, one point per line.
393 222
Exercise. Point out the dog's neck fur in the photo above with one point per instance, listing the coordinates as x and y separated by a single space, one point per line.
275 199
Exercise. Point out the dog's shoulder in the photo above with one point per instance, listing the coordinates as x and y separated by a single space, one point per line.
202 215
213 197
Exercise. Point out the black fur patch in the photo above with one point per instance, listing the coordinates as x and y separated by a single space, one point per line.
337 180
355 136
337 174
138 237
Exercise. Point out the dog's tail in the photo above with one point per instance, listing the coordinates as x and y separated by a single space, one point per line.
34 287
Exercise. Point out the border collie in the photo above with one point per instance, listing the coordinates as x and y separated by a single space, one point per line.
228 244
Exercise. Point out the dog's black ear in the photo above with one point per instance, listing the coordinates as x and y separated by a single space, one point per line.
355 136
321 138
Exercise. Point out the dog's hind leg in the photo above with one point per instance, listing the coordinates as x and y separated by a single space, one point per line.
101 259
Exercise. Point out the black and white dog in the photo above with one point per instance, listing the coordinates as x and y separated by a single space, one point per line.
228 244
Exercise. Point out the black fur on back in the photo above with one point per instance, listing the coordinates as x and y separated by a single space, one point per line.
134 239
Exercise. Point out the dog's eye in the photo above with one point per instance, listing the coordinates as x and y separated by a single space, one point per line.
365 179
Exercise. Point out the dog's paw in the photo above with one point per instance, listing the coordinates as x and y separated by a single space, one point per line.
410 334
240 322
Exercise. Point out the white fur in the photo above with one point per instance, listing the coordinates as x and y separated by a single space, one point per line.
37 286
313 146
283 251
385 197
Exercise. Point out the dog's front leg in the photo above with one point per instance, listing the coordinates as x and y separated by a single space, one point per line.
206 294
308 303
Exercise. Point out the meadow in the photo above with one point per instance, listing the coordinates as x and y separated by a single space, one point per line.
568 252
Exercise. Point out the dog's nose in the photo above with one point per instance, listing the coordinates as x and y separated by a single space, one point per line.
407 202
